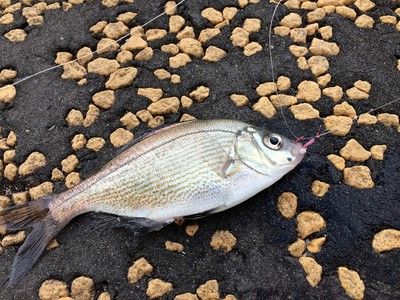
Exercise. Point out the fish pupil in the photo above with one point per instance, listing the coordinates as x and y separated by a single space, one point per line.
274 140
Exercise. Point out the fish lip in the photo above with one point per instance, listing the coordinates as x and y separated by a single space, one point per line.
298 151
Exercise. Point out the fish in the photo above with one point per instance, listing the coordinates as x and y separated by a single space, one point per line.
184 170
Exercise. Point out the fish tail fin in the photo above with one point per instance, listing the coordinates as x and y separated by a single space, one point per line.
35 214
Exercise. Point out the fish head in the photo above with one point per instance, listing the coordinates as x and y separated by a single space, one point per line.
266 152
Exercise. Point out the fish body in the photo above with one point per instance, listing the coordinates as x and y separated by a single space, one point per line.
184 170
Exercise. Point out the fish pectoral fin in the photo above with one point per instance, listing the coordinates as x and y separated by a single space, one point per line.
137 225
224 170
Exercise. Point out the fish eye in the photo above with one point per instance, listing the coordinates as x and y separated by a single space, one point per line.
273 141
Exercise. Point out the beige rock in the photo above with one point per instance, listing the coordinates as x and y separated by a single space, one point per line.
292 20
318 65
92 115
209 290
154 94
365 22
356 94
16 35
309 222
134 43
6 202
315 245
312 28
297 248
72 179
164 106
73 70
265 107
104 296
186 102
121 78
377 151
13 239
158 288
8 156
103 66
144 115
186 296
239 100
321 47
179 60
126 17
292 4
208 34
266 89
214 54
319 188
298 51
252 25
363 86
326 32
115 30
138 270
324 80
20 198
129 120
53 289
120 137
6 19
308 91
11 139
95 143
367 119
44 189
243 3
337 161
124 56
175 78
82 288
191 46
302 63
316 15
98 27
287 204
162 74
344 109
386 240
346 12
7 74
200 93
223 240
307 5
174 247
69 164
229 13
109 3
313 270
338 125
192 229
175 23
155 34
3 145
351 283
281 30
56 174
170 8
283 100
239 37
364 5
187 32
10 8
137 31
78 141
304 111
229 296
389 119
353 151
359 177
335 93
298 35
104 99
252 48
106 45
212 15
156 121
34 161
283 83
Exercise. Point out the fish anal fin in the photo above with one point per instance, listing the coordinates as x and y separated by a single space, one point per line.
202 214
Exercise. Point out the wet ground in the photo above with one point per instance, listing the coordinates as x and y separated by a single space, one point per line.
260 266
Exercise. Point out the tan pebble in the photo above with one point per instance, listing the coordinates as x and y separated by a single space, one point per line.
367 119
95 143
187 32
16 35
304 111
154 94
292 20
338 125
144 115
351 283
359 177
157 288
191 46
12 8
162 74
283 100
170 8
223 240
98 27
200 93
207 34
337 161
52 245
389 119
175 78
287 204
309 222
72 179
164 106
145 54
239 37
364 5
13 239
346 12
298 35
129 120
252 25
11 139
363 86
7 93
155 34
104 296
212 15
265 107
35 21
316 15
120 137
124 57
53 289
386 240
69 164
103 66
239 100
106 45
229 13
292 4
209 290
174 247
156 121
186 118
266 89
252 48
318 65
115 30
326 32
7 74
56 174
308 91
44 189
138 270
121 78
34 161
309 5
281 30
3 145
104 99
297 248
20 198
175 23
82 288
283 83
302 63
377 151
126 17
6 19
109 3
134 43
313 270
179 60
8 156
214 54
230 297
186 102
335 93
73 70
186 296
298 51
192 229
78 141
321 47
91 116
365 22
138 31
397 11
312 28
353 151
243 3
6 202
319 188
324 80
344 109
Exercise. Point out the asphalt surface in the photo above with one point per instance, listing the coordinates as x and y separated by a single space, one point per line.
260 266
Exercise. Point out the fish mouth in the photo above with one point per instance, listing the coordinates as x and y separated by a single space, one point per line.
298 151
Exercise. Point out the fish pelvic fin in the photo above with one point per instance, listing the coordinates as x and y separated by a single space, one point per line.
37 215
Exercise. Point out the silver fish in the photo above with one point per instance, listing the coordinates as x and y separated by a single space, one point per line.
185 170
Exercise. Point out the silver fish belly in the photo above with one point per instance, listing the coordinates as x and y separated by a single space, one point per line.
187 169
